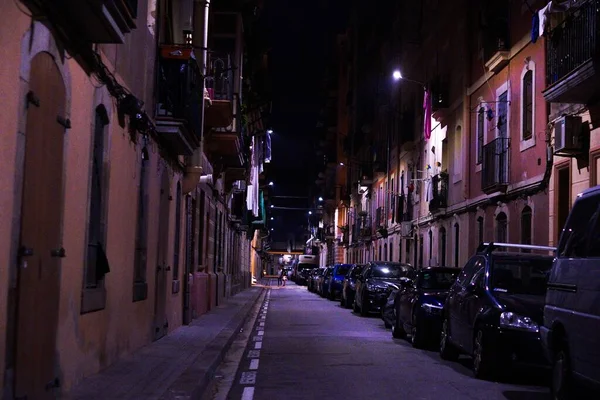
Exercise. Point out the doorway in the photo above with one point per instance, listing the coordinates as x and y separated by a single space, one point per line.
160 291
563 197
40 247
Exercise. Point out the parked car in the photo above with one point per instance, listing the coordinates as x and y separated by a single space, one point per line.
312 278
373 285
319 281
418 306
572 311
494 309
324 283
349 285
338 273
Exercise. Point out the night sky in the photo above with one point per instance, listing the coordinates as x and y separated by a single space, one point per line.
298 33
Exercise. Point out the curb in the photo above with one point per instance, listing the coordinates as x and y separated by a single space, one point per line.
194 381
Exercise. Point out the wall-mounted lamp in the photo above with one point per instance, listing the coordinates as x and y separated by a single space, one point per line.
187 37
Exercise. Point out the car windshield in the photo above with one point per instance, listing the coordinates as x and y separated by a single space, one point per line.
342 269
303 266
356 271
390 271
437 280
521 276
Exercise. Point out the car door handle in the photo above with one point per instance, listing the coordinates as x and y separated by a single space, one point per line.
563 287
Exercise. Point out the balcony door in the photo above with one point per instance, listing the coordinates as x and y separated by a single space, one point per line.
160 296
503 134
40 250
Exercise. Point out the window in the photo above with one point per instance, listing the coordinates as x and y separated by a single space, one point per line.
575 235
456 244
177 245
430 245
202 229
443 247
594 245
480 133
527 106
96 265
501 228
458 155
502 115
480 229
140 286
526 225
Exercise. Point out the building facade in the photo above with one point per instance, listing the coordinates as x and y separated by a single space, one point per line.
454 151
123 202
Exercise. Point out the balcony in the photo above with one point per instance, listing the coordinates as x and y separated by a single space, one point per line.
179 99
439 199
572 68
219 84
495 166
225 145
94 21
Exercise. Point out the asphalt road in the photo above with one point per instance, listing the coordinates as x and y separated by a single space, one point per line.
302 346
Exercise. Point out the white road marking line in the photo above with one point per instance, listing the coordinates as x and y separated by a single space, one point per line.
258 345
248 393
248 378
254 364
260 333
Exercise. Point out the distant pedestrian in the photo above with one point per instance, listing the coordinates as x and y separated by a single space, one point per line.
280 276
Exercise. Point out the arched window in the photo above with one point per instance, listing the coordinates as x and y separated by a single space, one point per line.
526 221
391 251
443 247
527 105
430 245
177 232
456 244
384 254
501 228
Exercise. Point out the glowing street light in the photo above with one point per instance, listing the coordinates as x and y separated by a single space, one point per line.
272 206
320 198
342 164
397 75
271 183
310 213
269 131
272 218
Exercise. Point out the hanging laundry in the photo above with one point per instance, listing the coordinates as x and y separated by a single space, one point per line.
543 18
427 115
535 27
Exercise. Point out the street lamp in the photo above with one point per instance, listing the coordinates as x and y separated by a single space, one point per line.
269 131
310 213
397 75
320 198
342 164
271 183
272 218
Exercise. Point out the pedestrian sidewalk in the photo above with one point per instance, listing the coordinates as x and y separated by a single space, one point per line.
178 366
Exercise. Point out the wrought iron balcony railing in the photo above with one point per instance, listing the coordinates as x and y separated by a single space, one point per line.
179 94
439 185
495 165
219 80
573 42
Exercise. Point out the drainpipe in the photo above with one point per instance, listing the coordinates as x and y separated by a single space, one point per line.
201 14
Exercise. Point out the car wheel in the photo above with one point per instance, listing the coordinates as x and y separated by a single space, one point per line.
397 328
447 349
561 386
364 308
416 335
483 362
355 307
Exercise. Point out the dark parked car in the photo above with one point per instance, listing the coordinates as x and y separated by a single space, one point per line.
349 285
572 311
494 309
373 285
418 306
312 279
338 273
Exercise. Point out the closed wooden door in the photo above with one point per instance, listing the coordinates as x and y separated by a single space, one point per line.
40 242
160 296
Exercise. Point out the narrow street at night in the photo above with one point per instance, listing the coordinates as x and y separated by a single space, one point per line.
312 348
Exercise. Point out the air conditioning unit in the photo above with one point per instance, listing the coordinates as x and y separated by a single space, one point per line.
406 228
567 135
